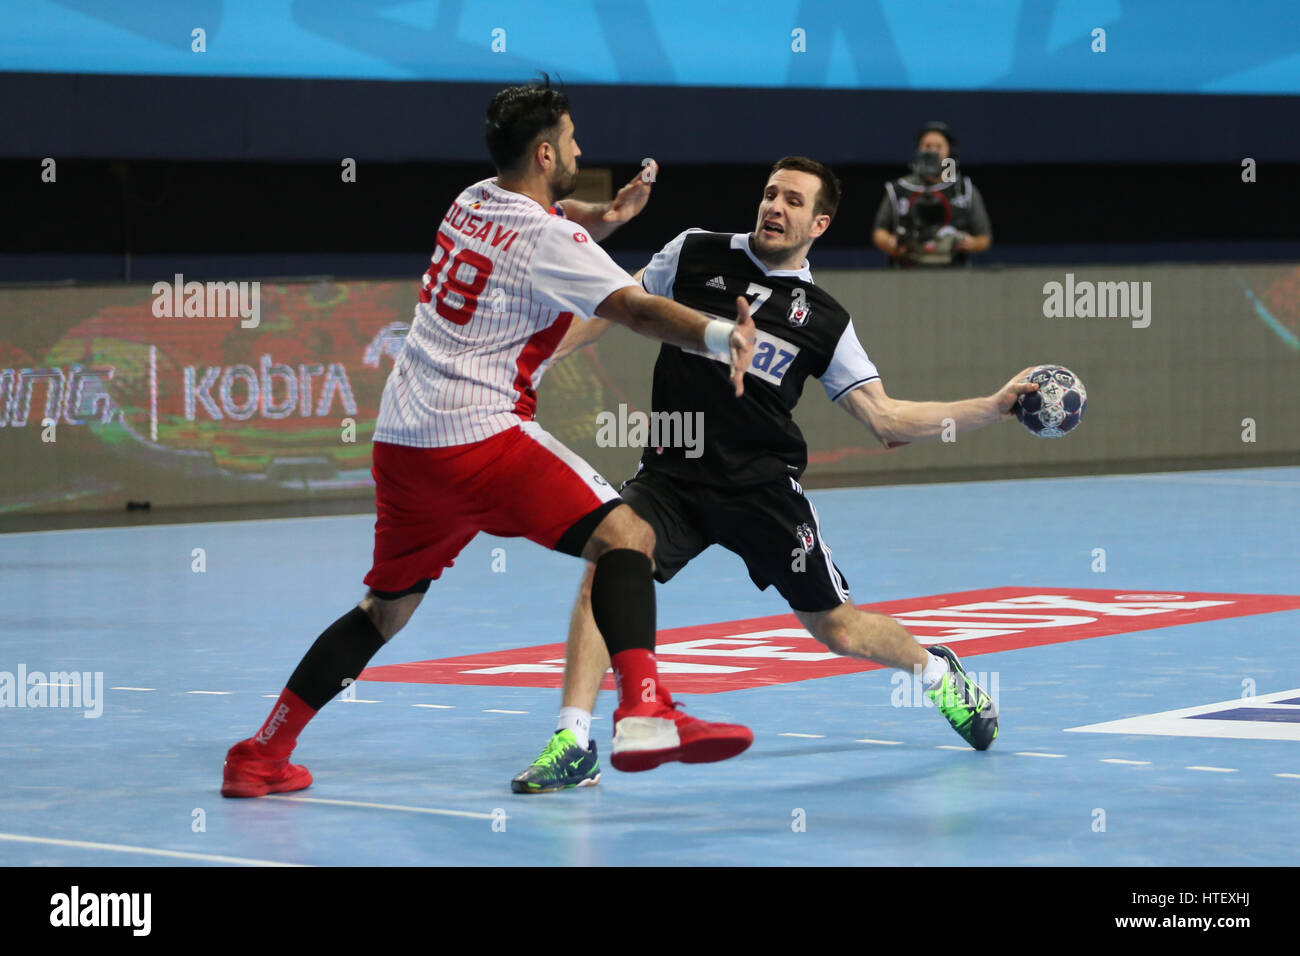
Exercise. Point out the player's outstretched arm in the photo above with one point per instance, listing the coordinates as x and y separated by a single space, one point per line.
895 422
602 218
668 321
582 334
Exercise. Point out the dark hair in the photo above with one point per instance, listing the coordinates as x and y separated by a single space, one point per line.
517 116
828 196
943 129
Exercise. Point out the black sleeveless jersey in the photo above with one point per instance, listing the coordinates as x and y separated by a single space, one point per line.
801 332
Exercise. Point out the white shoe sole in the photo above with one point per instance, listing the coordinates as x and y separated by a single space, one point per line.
642 734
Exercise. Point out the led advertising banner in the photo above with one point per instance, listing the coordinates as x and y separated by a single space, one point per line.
113 394
285 399
116 394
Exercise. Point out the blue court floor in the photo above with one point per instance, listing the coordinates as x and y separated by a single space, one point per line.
190 660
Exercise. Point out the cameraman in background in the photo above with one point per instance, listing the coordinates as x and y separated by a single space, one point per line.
935 216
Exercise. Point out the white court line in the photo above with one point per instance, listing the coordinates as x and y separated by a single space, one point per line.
380 806
358 700
212 693
1131 763
147 851
437 706
493 710
1214 769
133 688
1034 753
868 740
810 736
950 747
1290 776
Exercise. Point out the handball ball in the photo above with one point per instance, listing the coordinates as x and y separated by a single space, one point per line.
1057 407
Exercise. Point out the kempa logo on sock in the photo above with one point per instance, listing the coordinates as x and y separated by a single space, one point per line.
69 689
103 909
272 725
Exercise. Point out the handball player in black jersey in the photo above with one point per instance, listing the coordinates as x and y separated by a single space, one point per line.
739 487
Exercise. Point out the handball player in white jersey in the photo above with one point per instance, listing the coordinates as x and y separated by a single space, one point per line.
456 449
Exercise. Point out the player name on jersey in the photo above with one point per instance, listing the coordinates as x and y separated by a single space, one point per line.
758 652
506 278
464 220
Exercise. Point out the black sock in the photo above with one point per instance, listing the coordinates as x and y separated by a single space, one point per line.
340 653
623 600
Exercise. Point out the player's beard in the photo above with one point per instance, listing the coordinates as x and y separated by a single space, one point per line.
773 251
564 183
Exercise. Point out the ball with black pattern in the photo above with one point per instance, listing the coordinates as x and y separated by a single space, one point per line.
1057 407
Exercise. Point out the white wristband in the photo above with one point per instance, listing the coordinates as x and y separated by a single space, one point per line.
717 338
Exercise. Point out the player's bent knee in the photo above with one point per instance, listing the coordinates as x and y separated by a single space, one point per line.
644 539
836 638
840 628
621 529
638 535
831 630
389 615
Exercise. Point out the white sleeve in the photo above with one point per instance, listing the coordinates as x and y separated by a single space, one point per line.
849 366
570 272
661 273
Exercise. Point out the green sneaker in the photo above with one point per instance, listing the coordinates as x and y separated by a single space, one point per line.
971 712
561 766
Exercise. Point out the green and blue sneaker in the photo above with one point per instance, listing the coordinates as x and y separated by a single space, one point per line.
971 712
561 766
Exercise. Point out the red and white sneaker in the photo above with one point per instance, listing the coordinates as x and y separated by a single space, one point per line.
248 774
650 734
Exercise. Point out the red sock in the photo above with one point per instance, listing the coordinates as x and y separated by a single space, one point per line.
280 733
637 678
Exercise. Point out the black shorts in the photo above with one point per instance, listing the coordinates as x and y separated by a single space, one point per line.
773 528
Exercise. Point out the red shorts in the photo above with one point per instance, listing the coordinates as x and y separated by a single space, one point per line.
431 502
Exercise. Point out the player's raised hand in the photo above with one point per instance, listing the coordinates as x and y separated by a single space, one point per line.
631 199
742 344
1007 395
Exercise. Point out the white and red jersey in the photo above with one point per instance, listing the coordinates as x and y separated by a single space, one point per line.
506 280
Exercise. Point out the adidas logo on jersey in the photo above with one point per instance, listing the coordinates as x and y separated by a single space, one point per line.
717 283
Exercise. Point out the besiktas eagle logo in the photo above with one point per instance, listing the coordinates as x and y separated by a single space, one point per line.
805 535
800 311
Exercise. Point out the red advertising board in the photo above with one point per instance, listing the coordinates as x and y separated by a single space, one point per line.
734 655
